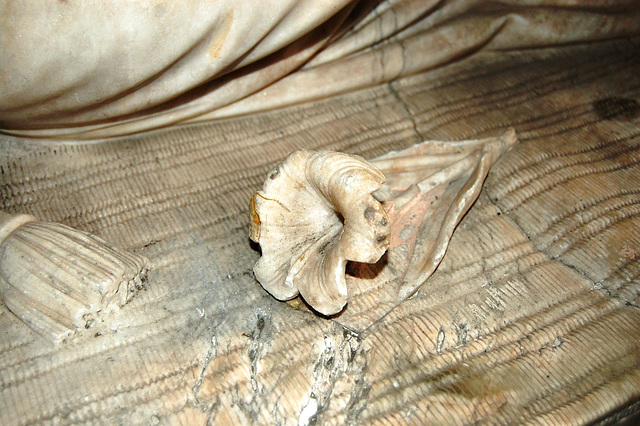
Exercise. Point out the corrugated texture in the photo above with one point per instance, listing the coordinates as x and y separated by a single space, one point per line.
531 317
59 280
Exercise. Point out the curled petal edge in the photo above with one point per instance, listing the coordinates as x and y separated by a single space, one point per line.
319 210
315 213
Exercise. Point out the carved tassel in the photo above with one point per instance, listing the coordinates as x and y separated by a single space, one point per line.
58 280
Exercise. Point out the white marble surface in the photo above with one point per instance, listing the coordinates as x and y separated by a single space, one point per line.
95 69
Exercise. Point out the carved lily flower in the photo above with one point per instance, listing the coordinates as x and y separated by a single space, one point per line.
317 211
314 214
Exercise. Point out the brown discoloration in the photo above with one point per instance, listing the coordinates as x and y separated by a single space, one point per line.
629 252
220 35
254 220
616 108
410 216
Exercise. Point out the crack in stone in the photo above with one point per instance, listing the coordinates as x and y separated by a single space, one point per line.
259 336
595 285
335 361
255 348
406 108
360 394
212 408
508 215
205 363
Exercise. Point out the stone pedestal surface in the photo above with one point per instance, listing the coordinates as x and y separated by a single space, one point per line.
533 315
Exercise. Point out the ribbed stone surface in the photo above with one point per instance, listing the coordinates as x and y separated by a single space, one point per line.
532 316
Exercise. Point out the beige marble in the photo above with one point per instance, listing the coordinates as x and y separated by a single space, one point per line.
531 316
60 281
95 69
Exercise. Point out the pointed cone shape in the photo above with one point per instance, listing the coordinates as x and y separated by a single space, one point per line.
429 188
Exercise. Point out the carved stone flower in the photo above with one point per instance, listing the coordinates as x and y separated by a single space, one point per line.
314 214
318 210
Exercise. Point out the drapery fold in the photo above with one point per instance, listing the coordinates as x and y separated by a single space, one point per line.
91 70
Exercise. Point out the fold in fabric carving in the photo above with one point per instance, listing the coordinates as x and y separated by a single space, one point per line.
318 210
244 57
